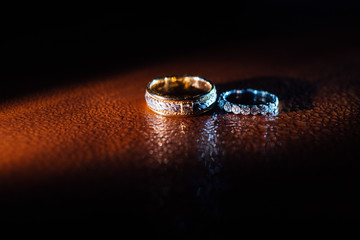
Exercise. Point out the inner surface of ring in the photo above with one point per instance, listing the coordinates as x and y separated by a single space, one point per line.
181 87
248 98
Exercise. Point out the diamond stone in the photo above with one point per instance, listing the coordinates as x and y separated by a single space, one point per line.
227 107
221 103
245 110
273 109
235 109
263 109
255 110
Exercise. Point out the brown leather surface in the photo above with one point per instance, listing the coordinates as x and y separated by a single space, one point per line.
94 147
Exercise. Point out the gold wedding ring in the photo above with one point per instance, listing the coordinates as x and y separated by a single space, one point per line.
180 95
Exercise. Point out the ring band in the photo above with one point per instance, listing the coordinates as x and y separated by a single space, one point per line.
180 95
249 101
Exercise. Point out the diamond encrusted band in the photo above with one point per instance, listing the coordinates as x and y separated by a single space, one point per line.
249 101
180 95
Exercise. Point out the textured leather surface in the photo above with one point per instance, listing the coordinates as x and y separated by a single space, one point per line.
94 148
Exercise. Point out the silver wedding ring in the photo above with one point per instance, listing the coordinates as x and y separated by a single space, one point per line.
249 101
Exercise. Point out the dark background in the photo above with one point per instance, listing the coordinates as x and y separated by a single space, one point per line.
76 41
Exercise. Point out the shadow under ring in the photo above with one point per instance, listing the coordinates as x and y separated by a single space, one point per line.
180 95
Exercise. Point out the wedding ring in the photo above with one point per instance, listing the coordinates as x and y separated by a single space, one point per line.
249 101
180 95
